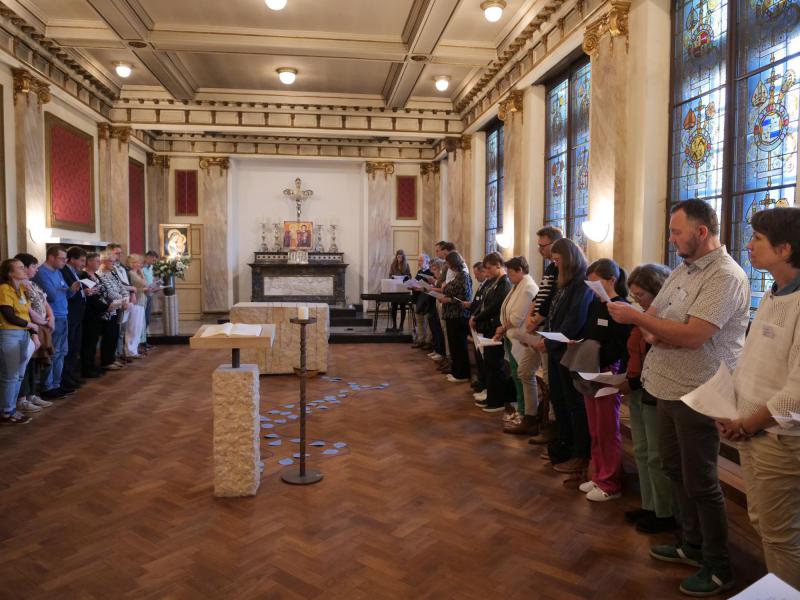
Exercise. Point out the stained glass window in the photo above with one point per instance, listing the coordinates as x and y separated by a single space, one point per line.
494 184
567 161
748 89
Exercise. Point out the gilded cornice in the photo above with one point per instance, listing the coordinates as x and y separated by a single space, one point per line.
103 131
426 169
512 104
157 160
223 162
614 23
25 82
386 167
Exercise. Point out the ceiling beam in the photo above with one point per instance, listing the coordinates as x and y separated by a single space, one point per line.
425 25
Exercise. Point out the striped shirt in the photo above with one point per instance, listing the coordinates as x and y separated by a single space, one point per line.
547 289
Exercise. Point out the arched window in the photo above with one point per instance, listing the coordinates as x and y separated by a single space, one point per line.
494 183
567 151
735 113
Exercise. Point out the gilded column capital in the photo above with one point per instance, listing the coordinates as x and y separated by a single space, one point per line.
374 167
103 131
613 23
426 169
511 104
466 142
157 160
25 82
122 134
223 162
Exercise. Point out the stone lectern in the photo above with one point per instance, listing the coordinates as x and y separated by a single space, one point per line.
237 427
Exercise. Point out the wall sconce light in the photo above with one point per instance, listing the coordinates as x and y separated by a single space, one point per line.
276 4
287 75
40 235
493 10
596 231
504 240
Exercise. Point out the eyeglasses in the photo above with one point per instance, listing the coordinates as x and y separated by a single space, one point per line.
542 246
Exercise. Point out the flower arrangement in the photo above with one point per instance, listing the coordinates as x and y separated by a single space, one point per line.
168 267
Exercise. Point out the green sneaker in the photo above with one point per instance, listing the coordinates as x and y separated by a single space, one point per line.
707 582
684 554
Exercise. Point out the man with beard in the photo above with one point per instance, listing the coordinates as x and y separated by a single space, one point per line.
697 321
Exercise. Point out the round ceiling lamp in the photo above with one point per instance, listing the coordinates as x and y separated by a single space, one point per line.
123 69
442 83
287 75
493 10
276 4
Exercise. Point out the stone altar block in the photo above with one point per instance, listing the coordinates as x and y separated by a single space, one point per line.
284 355
237 427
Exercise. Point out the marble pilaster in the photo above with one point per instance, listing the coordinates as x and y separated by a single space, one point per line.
380 183
237 453
429 172
30 157
515 208
459 186
605 41
157 196
113 174
214 213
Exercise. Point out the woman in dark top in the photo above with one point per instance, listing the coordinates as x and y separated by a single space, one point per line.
499 385
422 302
603 411
569 451
399 268
97 305
456 317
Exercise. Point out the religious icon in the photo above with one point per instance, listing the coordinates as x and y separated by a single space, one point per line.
298 235
174 240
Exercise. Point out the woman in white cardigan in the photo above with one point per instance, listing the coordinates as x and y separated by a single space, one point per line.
512 320
767 384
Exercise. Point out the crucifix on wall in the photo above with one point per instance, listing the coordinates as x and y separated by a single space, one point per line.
298 195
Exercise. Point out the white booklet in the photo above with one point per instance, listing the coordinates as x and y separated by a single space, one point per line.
598 289
88 283
557 336
769 587
481 342
716 398
435 294
413 284
608 378
232 330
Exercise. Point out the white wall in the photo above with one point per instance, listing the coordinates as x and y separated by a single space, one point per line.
257 195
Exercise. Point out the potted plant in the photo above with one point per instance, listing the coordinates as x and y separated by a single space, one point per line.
168 268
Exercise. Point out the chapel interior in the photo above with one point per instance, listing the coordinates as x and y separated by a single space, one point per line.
215 129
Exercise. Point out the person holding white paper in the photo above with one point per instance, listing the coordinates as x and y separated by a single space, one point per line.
570 450
456 317
422 303
602 412
658 505
516 305
767 386
697 320
399 269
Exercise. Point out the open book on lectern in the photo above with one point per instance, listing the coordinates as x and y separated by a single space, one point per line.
232 330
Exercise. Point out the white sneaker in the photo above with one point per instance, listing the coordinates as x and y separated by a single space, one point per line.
436 356
480 395
431 354
39 401
598 495
452 379
26 406
587 486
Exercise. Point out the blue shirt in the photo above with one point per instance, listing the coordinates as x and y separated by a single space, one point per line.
789 288
52 283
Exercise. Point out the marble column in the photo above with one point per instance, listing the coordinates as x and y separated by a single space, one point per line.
429 172
380 182
30 94
214 214
157 196
459 192
515 208
114 190
605 40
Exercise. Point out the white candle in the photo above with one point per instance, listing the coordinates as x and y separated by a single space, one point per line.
302 313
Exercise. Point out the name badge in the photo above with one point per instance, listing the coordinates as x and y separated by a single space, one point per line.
768 332
602 322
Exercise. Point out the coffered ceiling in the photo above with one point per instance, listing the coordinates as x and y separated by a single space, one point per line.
376 50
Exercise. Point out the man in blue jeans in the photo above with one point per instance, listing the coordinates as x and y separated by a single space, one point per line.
51 280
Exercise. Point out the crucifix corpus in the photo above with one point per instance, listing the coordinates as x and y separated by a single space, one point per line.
298 195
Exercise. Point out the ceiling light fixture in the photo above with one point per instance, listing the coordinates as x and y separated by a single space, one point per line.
276 4
287 75
442 82
493 9
123 69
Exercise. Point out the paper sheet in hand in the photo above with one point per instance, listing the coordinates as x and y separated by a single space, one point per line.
608 378
795 416
716 398
88 283
598 289
481 342
413 284
435 294
556 336
528 339
769 587
606 391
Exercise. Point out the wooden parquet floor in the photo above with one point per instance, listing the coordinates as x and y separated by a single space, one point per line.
109 495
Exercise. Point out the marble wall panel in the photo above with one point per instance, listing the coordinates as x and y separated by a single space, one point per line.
214 214
379 232
29 153
118 189
429 203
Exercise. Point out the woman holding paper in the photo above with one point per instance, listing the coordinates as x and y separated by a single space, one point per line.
399 268
602 411
499 387
658 506
133 332
512 320
570 450
767 384
118 295
456 317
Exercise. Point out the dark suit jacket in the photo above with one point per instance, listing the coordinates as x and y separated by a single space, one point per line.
76 304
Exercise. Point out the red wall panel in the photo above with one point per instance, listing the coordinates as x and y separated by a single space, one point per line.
136 206
186 194
70 177
406 197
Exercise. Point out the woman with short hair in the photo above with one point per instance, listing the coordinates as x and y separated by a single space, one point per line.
118 295
456 317
133 332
